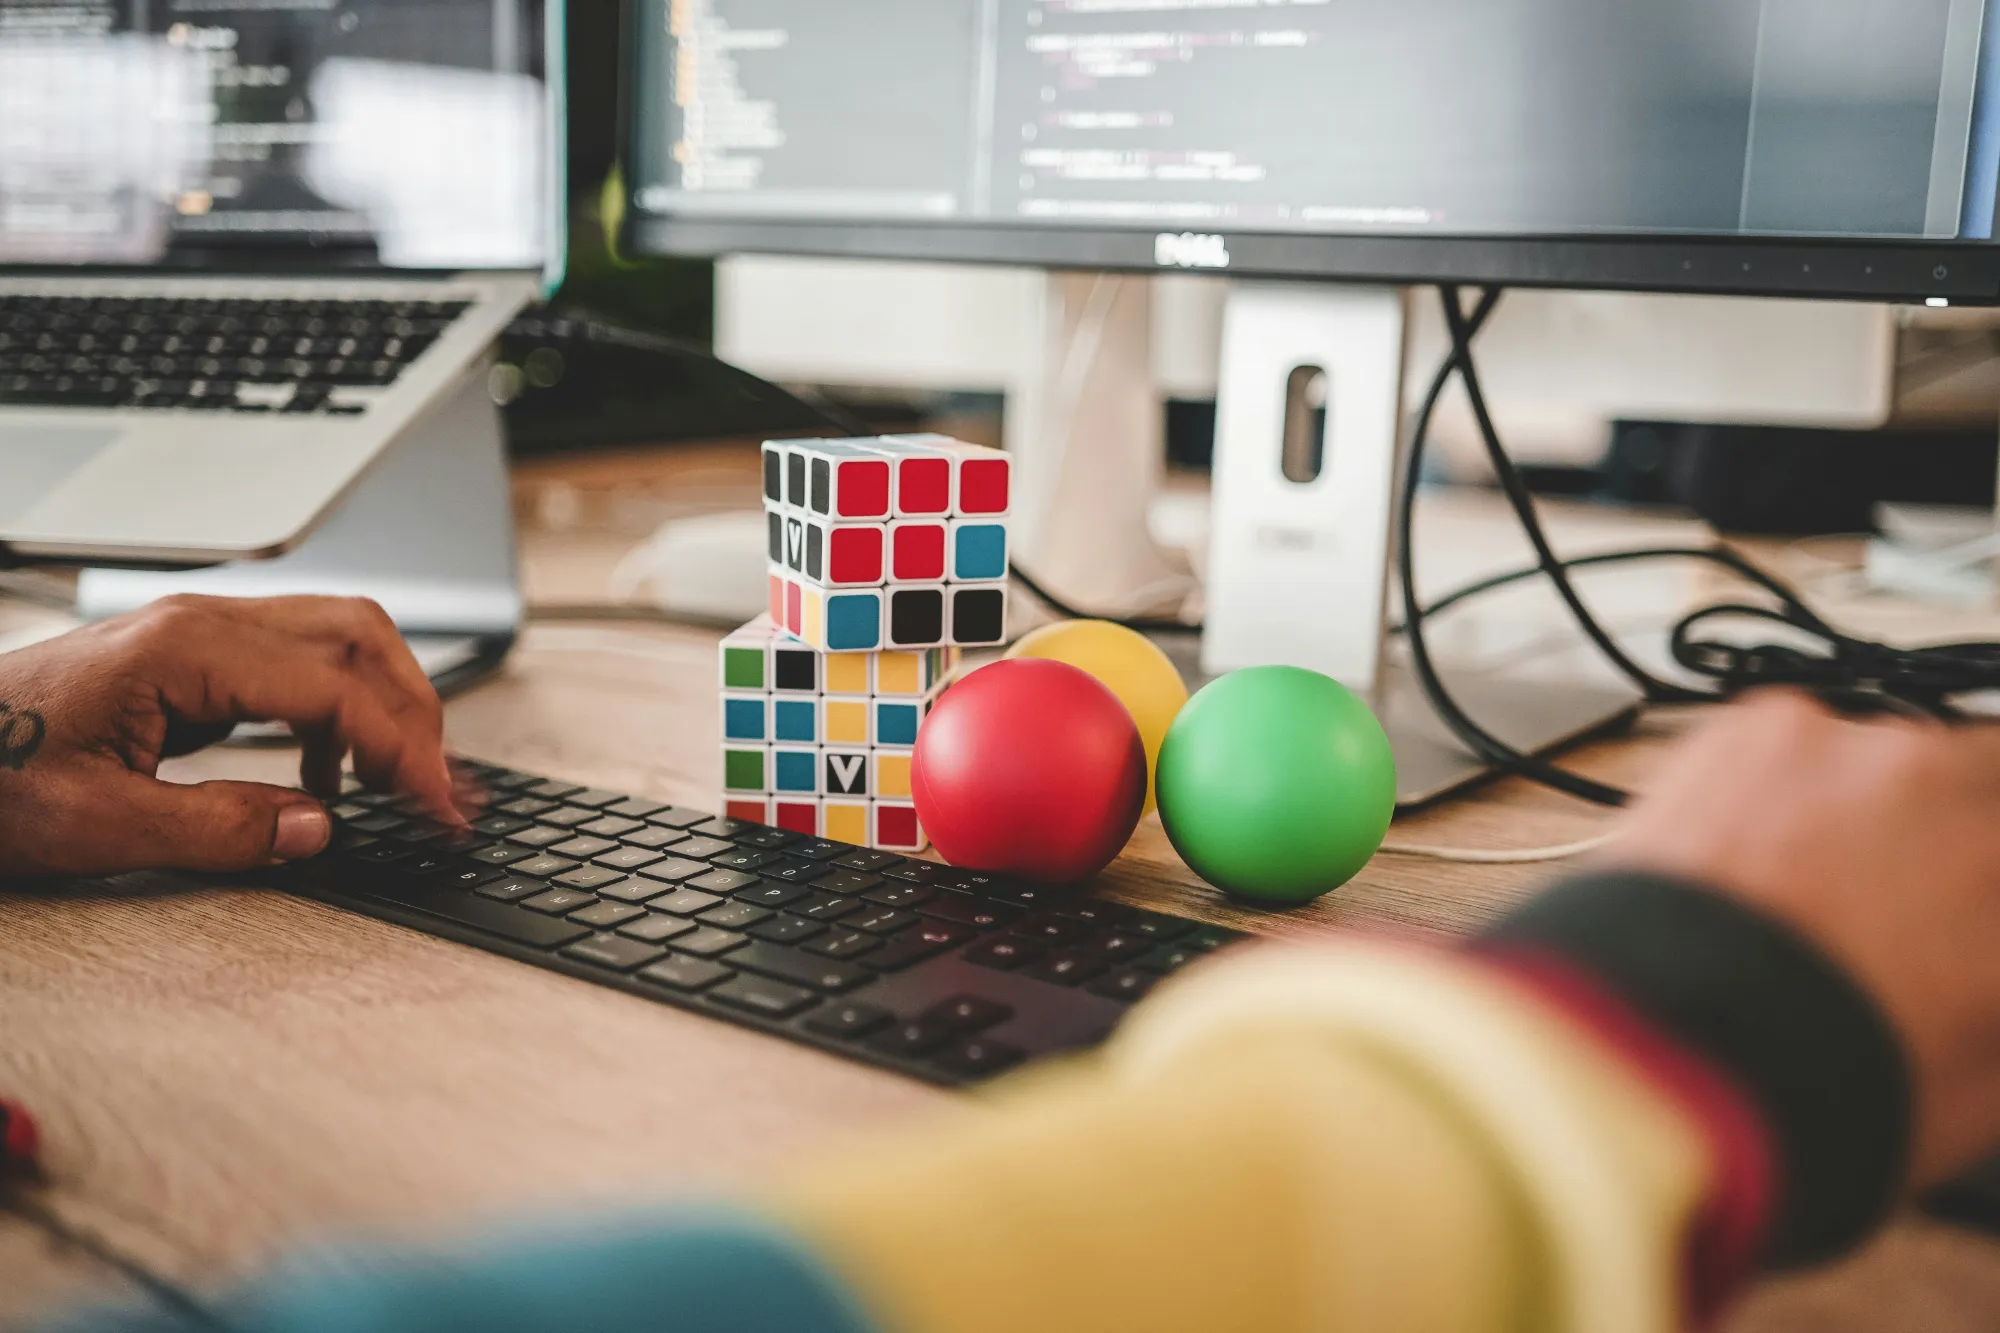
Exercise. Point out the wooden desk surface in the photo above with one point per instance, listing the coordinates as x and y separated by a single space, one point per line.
224 1073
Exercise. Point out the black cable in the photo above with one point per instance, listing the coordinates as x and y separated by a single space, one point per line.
170 1296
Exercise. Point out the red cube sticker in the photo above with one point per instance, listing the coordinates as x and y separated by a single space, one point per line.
917 552
799 817
861 488
854 555
794 608
895 826
923 486
982 486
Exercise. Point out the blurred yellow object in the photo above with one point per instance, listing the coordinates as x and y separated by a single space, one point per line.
1128 664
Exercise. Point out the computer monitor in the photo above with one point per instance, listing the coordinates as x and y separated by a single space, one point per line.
1326 154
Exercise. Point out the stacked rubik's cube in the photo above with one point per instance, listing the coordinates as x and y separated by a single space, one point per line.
887 555
899 541
821 743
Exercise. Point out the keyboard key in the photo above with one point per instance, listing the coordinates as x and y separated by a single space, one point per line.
554 789
880 920
1168 958
765 839
773 895
627 858
723 881
673 870
1067 969
827 906
854 881
434 864
512 889
685 974
674 817
620 955
466 909
652 837
589 877
502 854
1027 895
969 881
685 903
792 871
818 849
709 942
1118 947
849 1021
744 859
724 828
734 916
382 853
844 944
558 902
787 929
700 849
539 836
773 999
798 967
1054 929
1158 928
1207 938
528 806
610 826
868 862
505 781
916 1037
917 872
499 826
981 1057
1099 913
543 866
595 797
635 807
606 915
1005 953
1129 984
582 849
382 821
917 944
633 890
968 1013
567 816
968 910
897 895
656 929
471 877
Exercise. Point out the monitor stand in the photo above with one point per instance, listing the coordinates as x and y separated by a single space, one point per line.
428 532
1302 538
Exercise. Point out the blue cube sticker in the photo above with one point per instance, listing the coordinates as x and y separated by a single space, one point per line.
896 724
853 623
743 719
979 551
794 720
796 770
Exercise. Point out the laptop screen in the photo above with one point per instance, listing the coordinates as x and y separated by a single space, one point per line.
349 133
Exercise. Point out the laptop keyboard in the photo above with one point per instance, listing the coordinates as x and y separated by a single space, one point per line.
304 356
947 975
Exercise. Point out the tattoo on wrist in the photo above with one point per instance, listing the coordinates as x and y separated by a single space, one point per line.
21 734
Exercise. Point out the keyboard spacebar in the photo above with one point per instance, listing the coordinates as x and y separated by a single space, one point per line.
513 923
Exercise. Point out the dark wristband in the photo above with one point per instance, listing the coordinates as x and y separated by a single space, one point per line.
1768 1011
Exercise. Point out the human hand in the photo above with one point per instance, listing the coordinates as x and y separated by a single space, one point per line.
1879 841
85 720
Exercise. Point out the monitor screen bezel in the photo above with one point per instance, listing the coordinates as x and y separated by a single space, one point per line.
1961 272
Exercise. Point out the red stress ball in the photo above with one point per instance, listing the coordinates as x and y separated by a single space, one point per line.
1029 767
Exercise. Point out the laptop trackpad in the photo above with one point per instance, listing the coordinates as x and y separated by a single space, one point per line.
34 460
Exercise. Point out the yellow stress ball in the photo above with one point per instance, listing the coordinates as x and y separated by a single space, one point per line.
1129 665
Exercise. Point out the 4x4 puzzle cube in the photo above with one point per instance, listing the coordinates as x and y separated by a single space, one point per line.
820 743
895 541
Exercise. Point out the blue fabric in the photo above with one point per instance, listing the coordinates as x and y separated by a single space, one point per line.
655 1273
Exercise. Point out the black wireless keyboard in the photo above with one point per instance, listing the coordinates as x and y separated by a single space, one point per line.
934 972
199 352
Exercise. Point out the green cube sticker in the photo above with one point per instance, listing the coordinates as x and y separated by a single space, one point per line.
743 668
743 770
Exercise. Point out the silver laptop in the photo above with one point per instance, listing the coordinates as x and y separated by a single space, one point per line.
244 247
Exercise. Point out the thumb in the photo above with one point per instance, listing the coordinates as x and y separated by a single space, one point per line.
217 826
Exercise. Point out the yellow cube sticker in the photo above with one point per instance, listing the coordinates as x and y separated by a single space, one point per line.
899 673
847 673
846 721
847 821
892 774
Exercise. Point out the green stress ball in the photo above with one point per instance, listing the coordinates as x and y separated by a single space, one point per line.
1276 784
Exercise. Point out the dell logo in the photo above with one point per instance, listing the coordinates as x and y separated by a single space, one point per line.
1189 249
